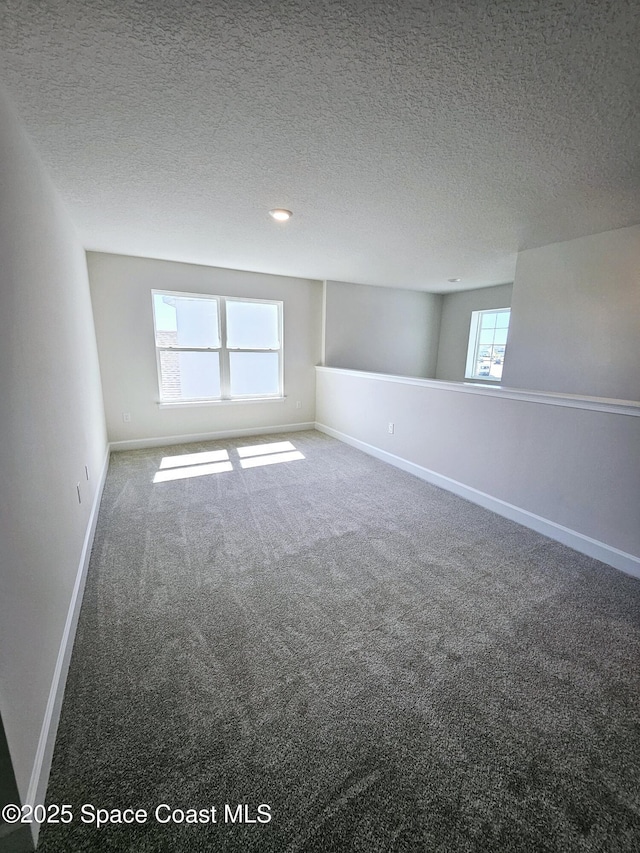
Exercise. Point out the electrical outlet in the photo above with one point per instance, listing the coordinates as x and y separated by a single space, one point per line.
391 428
298 404
126 417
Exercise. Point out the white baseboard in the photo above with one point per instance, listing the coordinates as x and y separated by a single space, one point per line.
42 764
621 560
141 443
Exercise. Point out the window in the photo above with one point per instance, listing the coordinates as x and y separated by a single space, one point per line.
487 344
217 347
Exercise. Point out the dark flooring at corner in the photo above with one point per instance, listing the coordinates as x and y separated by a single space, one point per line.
386 666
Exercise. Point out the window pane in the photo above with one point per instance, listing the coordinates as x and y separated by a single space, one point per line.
501 336
503 320
483 367
252 325
165 319
489 321
185 321
486 336
189 375
254 373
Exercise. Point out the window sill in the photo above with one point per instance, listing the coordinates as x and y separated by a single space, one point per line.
192 404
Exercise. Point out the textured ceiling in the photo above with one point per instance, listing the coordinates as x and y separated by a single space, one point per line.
414 141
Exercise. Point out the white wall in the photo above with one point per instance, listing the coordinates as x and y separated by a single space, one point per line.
575 330
575 319
382 329
52 425
575 467
455 323
121 294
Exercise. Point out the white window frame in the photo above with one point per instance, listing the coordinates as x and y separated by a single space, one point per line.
474 344
223 350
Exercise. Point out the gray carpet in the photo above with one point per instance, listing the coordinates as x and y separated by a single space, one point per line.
385 665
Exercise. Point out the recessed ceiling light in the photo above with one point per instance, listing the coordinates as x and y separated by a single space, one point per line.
453 280
280 214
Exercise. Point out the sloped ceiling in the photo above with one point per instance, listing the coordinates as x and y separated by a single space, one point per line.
414 141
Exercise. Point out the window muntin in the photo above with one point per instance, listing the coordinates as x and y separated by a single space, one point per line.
216 347
487 344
